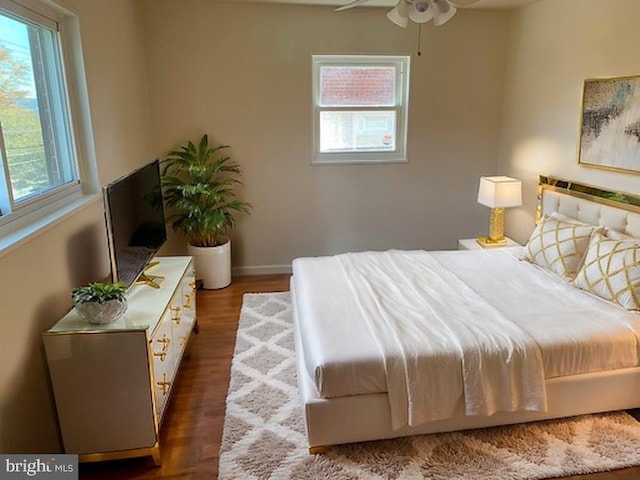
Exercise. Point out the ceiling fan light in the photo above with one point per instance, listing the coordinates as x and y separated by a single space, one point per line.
400 14
421 11
398 19
443 11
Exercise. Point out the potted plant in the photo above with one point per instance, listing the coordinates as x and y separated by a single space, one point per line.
198 189
100 303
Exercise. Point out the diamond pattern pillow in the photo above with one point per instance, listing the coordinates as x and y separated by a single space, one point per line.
611 270
559 246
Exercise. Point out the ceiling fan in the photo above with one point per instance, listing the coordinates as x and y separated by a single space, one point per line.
419 11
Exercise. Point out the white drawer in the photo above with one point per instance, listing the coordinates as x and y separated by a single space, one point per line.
183 326
162 349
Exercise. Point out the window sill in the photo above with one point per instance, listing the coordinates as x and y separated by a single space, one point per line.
22 230
358 161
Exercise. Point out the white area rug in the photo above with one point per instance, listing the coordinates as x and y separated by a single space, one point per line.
264 436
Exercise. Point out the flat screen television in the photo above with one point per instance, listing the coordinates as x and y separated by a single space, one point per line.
135 221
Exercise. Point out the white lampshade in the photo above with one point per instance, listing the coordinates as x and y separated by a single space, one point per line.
400 14
500 192
421 11
443 11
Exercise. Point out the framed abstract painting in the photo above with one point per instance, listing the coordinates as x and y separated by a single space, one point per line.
610 128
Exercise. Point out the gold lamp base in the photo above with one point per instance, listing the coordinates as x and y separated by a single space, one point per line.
486 242
496 230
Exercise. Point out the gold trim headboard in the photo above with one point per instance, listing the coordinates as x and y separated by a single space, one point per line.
617 210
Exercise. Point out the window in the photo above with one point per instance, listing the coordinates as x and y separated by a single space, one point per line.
360 108
37 148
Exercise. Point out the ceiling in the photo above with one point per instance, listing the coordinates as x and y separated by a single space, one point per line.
502 3
508 4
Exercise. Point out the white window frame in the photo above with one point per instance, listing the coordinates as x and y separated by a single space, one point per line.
401 64
39 213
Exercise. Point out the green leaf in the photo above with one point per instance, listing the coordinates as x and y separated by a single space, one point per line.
99 292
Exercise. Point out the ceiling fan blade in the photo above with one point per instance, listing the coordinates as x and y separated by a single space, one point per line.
353 4
462 3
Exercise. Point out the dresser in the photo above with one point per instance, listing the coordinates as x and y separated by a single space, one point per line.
112 382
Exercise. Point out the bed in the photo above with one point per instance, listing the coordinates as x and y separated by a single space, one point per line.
398 343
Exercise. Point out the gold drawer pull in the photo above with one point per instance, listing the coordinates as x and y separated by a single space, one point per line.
164 384
165 346
187 301
183 341
175 314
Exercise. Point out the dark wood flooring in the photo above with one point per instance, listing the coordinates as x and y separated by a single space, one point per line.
192 429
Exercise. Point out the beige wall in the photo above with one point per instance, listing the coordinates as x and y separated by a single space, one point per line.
553 46
38 276
241 72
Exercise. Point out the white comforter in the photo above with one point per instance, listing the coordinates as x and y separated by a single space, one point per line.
438 336
479 321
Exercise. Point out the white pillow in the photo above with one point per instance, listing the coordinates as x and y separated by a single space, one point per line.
611 270
559 246
616 235
565 218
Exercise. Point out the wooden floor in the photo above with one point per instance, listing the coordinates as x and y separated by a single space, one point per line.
192 430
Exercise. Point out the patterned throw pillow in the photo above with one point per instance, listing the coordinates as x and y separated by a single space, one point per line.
559 246
611 270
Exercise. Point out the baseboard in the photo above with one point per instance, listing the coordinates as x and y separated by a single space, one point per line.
262 270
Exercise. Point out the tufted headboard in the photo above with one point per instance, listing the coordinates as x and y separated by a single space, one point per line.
593 205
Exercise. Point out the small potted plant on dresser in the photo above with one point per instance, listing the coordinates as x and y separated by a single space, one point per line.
100 303
198 192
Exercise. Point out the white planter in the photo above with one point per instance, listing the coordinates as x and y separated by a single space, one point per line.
102 313
213 265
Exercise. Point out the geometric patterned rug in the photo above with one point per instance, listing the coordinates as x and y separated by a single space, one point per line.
264 434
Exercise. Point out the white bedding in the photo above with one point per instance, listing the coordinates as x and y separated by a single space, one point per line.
575 332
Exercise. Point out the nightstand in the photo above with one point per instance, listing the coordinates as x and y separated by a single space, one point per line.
472 244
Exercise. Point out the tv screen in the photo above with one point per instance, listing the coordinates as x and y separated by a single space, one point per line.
135 221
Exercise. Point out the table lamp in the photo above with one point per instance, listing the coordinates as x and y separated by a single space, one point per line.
498 192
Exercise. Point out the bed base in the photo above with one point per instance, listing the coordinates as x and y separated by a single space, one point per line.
362 418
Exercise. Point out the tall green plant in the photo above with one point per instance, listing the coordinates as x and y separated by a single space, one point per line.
198 190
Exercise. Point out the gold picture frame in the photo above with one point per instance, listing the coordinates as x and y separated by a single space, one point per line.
610 124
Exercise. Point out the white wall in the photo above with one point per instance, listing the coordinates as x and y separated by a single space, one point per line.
241 72
36 278
553 46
